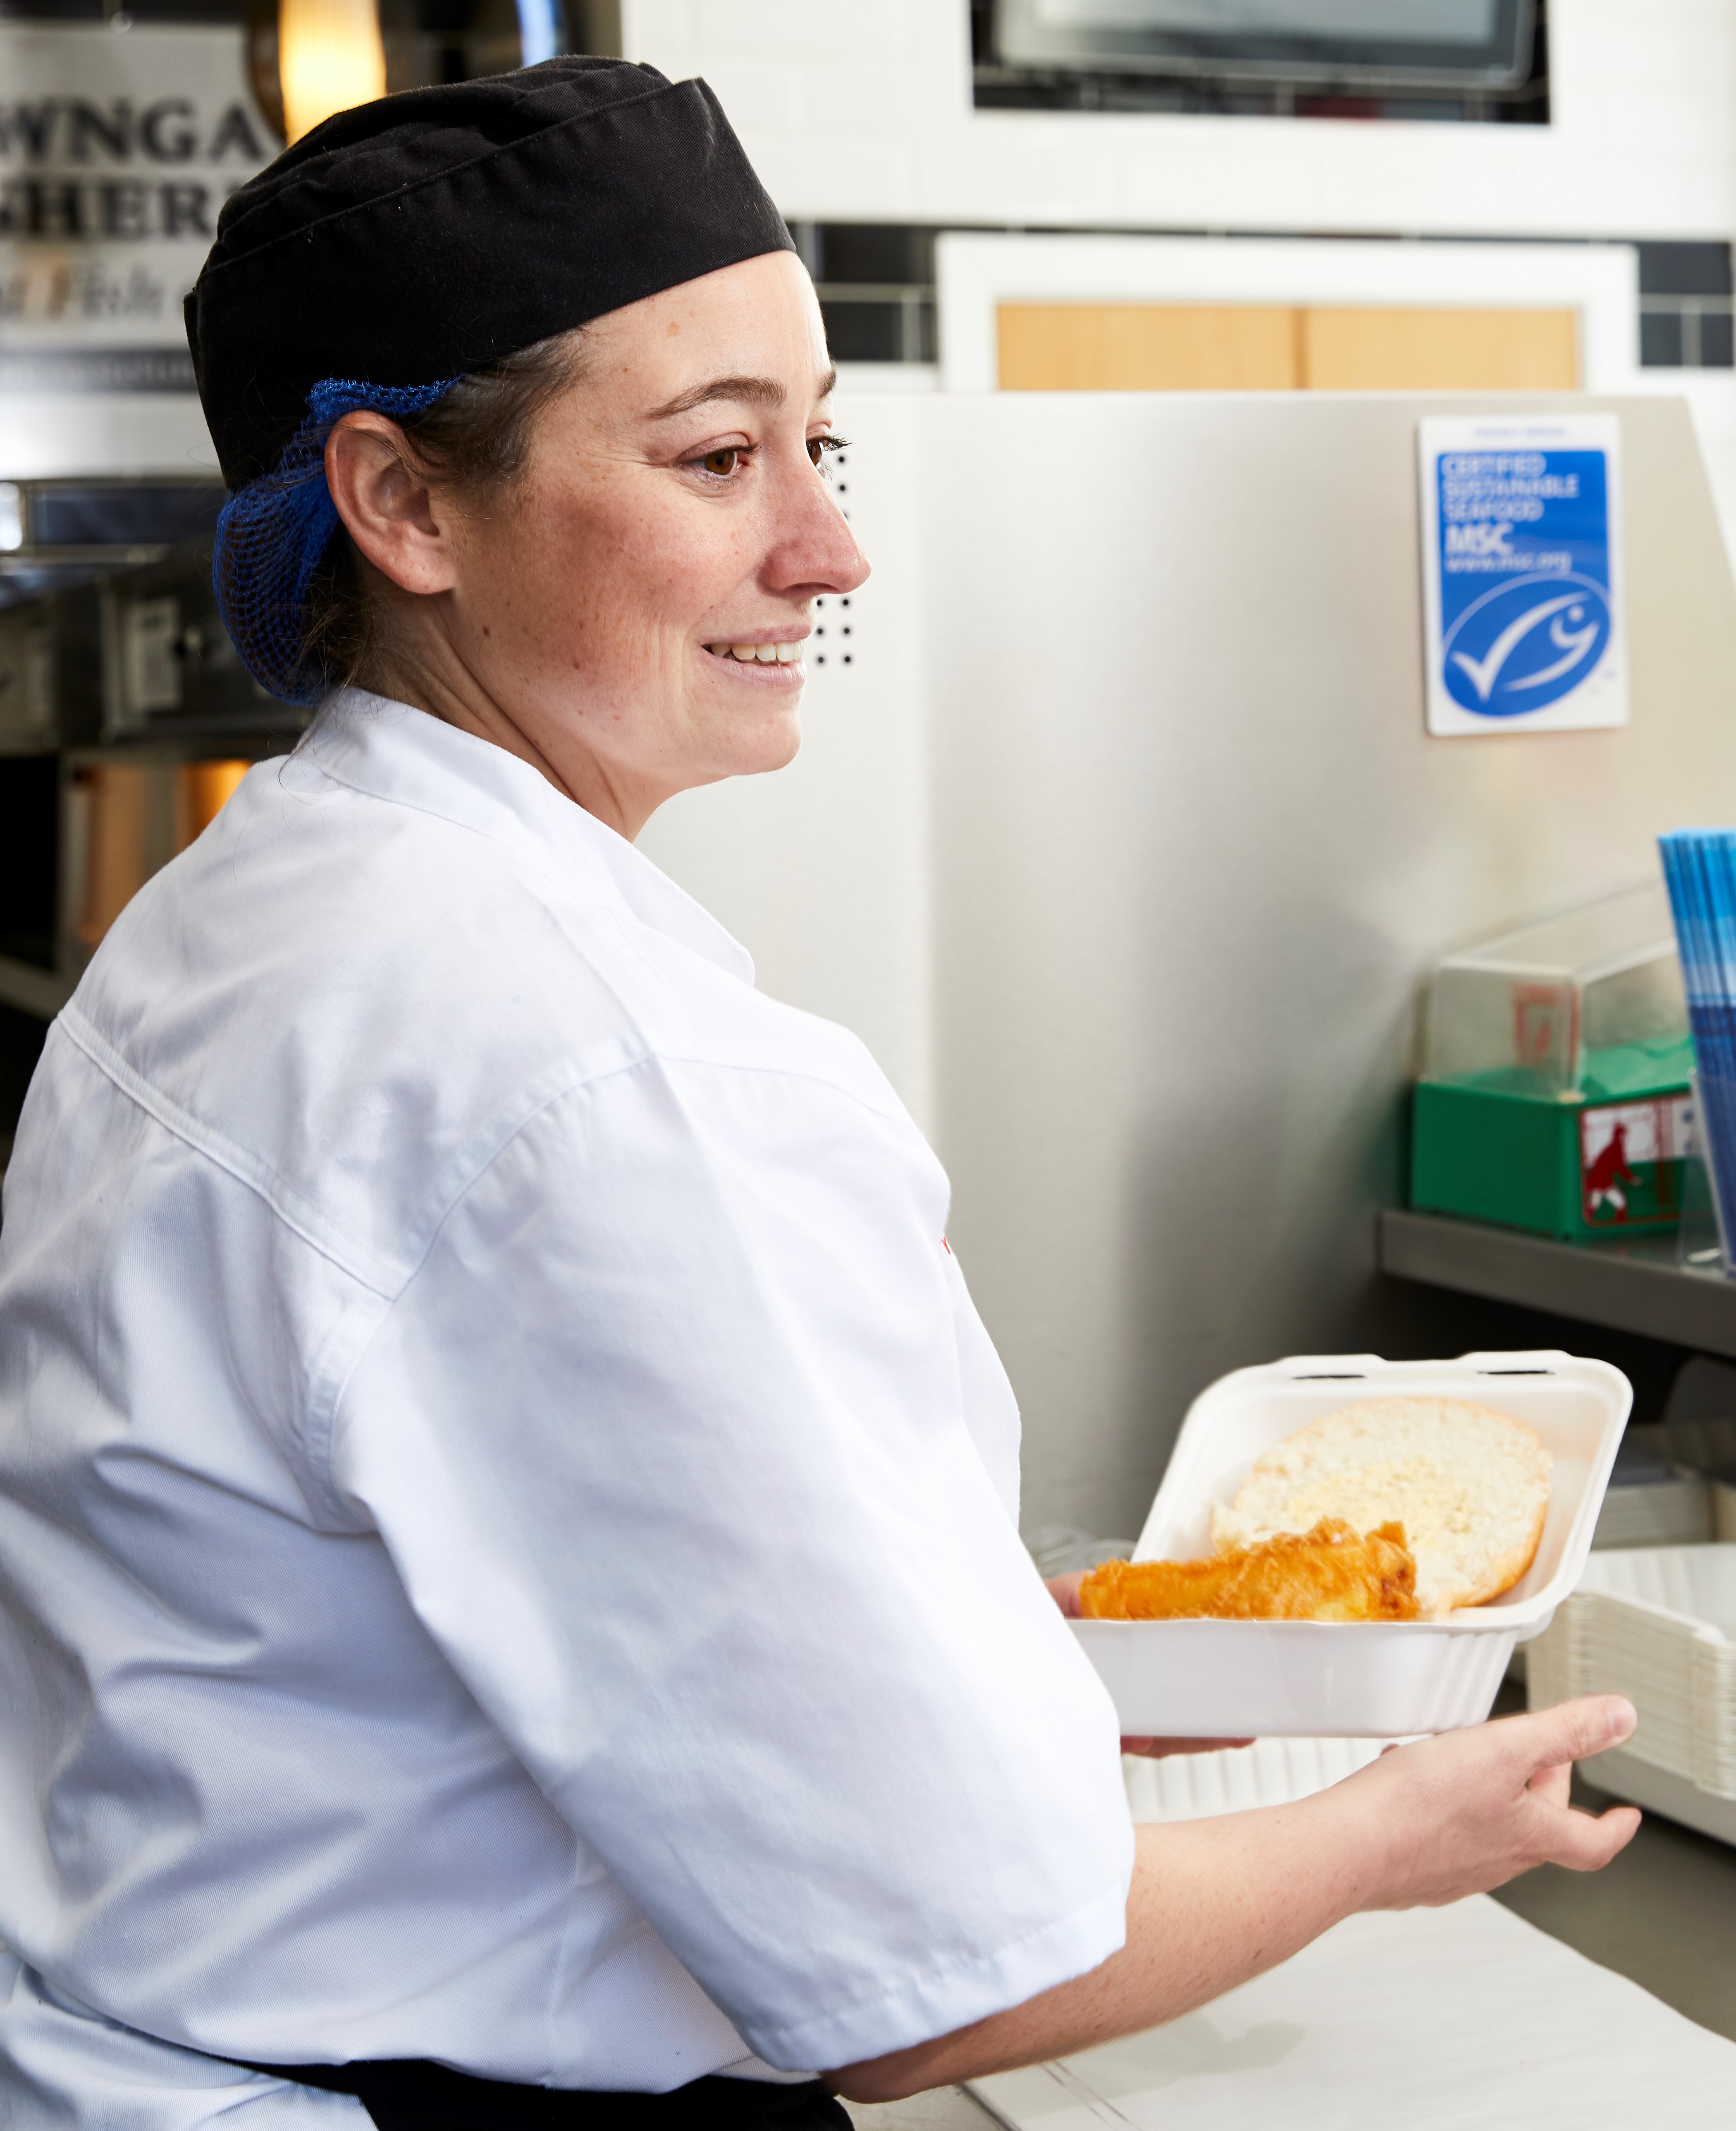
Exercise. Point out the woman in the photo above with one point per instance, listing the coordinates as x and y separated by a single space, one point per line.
510 1602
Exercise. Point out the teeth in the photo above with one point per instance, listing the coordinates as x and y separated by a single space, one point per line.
760 655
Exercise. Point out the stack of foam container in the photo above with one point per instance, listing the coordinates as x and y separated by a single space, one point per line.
1658 1624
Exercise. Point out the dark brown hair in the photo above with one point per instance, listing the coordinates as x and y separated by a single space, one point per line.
476 437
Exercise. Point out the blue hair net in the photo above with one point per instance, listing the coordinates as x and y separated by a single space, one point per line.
273 532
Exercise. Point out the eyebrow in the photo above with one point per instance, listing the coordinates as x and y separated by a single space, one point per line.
749 391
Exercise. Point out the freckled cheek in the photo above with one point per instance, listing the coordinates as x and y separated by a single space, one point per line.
540 584
661 579
611 595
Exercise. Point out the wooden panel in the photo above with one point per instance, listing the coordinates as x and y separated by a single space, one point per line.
118 796
1132 347
202 789
1229 347
1439 351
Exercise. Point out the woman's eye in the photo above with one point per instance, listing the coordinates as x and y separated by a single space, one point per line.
723 462
817 450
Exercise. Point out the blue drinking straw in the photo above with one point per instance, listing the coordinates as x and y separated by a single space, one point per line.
1699 872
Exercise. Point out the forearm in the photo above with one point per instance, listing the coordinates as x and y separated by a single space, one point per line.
1211 1903
1214 1902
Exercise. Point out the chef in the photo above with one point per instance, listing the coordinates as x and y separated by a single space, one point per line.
511 1610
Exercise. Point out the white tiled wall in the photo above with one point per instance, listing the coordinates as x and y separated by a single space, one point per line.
860 110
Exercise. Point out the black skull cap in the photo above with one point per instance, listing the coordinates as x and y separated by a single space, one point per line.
422 236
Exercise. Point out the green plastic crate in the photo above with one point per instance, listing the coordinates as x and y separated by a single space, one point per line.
1574 1165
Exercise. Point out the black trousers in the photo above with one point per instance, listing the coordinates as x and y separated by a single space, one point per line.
409 2094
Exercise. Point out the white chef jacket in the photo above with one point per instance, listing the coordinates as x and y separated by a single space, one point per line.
507 1512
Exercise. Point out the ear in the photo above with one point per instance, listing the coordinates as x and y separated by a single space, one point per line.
387 505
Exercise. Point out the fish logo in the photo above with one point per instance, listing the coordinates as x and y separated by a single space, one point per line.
1527 643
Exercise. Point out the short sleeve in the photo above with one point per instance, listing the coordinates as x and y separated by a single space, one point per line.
666 1440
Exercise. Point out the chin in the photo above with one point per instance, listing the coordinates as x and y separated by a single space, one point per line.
773 744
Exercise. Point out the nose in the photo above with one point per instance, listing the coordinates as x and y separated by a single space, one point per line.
811 548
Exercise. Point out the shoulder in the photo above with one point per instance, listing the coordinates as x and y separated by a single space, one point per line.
343 932
369 999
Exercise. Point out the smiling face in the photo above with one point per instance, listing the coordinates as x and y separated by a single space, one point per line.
629 612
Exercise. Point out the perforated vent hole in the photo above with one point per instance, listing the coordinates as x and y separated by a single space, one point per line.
837 639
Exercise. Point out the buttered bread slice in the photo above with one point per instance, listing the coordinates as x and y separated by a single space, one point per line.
1470 1486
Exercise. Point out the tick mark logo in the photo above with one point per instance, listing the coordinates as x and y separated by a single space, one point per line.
1527 643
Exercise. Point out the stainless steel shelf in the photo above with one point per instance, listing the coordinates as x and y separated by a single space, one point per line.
36 991
1634 1287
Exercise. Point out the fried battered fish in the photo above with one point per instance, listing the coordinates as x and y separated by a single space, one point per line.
1332 1573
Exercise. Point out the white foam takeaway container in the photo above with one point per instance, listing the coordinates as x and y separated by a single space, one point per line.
1217 1679
1270 1772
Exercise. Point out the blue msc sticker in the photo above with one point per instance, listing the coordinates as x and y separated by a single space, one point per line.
1523 605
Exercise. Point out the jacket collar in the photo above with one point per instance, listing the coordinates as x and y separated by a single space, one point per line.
408 758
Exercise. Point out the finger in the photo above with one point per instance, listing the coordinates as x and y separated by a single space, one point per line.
1569 1732
1583 1844
1065 1590
1156 1750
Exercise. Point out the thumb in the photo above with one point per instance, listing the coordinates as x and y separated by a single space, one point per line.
1584 1845
1549 1738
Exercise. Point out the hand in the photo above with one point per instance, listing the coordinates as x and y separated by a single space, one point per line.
1156 1750
1065 1590
1469 1810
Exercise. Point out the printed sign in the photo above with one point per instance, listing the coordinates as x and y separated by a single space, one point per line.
1522 590
1630 1160
117 148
